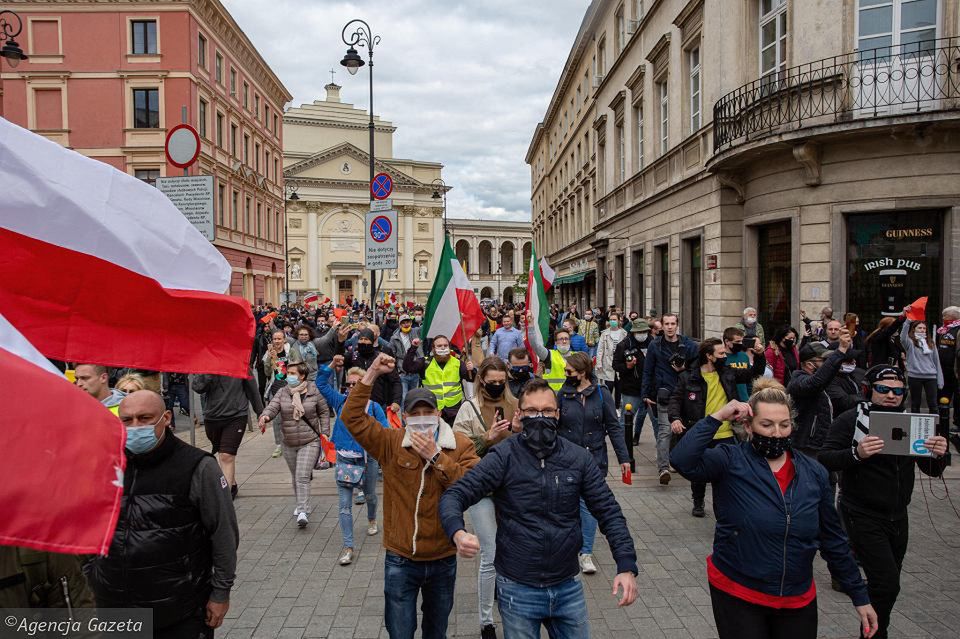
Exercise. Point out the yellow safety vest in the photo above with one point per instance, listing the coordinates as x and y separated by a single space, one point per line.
444 382
556 375
115 409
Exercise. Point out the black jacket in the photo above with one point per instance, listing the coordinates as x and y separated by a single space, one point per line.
587 418
688 402
844 393
631 379
881 485
226 397
387 389
657 372
538 506
812 404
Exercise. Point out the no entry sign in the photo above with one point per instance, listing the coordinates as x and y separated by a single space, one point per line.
182 146
380 244
381 186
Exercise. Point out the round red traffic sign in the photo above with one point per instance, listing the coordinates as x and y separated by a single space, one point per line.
381 186
381 229
183 145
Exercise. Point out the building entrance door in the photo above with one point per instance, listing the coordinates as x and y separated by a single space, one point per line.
345 291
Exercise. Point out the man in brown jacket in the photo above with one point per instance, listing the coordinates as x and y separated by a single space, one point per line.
419 462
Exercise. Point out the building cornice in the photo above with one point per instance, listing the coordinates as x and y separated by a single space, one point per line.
345 148
333 124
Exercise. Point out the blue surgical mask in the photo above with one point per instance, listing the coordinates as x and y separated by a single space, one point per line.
293 380
141 439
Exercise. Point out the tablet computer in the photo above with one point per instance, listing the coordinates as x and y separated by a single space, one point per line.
904 433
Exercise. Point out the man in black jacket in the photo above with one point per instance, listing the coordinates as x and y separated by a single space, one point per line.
175 546
844 392
628 359
537 480
807 389
388 391
702 391
875 489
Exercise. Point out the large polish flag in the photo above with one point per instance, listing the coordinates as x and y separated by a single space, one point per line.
453 309
63 458
97 266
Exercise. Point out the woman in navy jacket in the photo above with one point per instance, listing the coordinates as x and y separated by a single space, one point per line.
774 510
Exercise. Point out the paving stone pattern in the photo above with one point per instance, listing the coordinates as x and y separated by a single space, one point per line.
289 584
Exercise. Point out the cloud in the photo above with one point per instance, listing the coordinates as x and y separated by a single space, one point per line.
464 82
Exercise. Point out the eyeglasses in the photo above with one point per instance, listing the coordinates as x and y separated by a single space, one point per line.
563 340
532 412
883 389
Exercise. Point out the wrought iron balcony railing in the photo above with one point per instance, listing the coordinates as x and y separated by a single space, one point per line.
887 81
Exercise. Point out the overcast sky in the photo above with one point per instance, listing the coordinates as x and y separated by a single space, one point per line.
465 83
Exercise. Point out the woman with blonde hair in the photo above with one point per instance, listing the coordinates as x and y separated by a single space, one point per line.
130 383
775 509
487 419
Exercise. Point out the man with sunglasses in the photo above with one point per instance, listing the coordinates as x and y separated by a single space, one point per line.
875 489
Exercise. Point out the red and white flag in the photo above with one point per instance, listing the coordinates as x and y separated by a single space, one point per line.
63 458
547 273
97 266
311 299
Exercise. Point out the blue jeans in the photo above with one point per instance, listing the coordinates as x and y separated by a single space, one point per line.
639 412
409 382
561 609
588 529
345 493
484 520
403 580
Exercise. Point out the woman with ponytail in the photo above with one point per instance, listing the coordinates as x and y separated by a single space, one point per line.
774 510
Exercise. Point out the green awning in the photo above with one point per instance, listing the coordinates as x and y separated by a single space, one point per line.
573 278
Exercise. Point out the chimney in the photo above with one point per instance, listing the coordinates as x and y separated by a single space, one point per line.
333 92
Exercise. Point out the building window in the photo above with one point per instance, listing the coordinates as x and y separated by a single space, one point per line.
147 175
621 153
621 35
601 58
203 119
220 130
218 68
246 216
774 274
144 37
256 156
246 96
234 210
664 98
638 135
258 219
266 115
773 37
275 123
146 108
221 202
886 23
202 51
233 82
233 140
661 267
276 227
693 59
276 173
246 149
256 106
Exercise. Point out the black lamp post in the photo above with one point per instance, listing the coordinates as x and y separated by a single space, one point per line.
440 192
364 37
8 31
291 189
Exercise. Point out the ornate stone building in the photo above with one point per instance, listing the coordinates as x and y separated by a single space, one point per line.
493 255
326 159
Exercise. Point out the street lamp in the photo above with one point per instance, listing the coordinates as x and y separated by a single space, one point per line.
8 31
440 191
364 37
499 266
290 188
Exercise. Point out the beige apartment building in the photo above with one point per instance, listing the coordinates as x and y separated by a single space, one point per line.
700 156
326 159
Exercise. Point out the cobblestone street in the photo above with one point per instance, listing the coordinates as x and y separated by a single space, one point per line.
289 584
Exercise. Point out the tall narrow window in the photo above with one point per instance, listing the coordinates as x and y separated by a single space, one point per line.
266 164
601 57
143 38
621 35
258 219
246 96
201 51
220 130
638 134
247 228
202 117
773 38
256 106
233 140
256 157
621 154
146 108
218 68
221 202
233 82
235 211
275 119
246 149
664 98
693 56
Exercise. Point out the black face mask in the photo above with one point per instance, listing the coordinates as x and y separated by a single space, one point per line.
539 434
495 391
573 380
720 362
788 343
520 373
771 447
365 349
737 347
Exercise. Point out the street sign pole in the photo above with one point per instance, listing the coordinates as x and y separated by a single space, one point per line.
381 185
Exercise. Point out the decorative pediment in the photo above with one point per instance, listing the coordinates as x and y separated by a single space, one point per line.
358 159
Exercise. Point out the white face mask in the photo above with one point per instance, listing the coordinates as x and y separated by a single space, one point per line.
749 321
442 351
920 334
422 423
848 368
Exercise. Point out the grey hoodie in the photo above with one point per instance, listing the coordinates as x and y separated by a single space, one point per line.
919 364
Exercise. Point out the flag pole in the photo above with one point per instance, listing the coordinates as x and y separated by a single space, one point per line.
463 332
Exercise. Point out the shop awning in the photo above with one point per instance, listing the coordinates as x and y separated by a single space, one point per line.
572 278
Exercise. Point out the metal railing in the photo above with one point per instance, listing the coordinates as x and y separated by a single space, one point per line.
895 80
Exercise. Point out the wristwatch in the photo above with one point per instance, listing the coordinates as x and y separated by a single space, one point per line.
433 460
856 456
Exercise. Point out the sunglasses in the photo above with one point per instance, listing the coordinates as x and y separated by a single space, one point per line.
883 389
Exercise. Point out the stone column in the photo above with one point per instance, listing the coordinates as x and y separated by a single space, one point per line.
406 265
474 256
314 278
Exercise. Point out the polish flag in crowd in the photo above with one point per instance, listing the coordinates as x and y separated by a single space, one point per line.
97 266
547 273
453 309
63 460
537 306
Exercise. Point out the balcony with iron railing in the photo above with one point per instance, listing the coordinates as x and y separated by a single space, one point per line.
886 82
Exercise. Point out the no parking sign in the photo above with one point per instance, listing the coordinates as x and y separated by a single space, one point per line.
381 240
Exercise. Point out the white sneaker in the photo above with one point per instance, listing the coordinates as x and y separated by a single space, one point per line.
586 564
277 452
347 557
302 520
372 529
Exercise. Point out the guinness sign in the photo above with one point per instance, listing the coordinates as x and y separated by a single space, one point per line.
899 234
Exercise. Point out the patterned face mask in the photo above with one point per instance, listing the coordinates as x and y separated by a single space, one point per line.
771 447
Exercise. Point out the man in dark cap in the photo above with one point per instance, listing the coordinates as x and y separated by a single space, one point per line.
807 389
388 390
875 489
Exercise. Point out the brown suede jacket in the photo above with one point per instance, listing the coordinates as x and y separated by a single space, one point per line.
411 524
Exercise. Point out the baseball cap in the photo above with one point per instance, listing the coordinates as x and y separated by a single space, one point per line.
639 326
419 396
811 350
406 318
